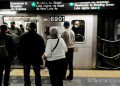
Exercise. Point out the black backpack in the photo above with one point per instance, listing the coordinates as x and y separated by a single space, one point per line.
3 51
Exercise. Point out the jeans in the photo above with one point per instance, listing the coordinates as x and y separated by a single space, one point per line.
5 63
36 69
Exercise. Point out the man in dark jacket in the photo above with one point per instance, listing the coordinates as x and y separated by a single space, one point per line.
6 61
30 49
22 28
78 30
15 32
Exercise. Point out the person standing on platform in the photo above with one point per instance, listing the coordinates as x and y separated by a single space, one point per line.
47 33
15 32
7 52
22 29
55 57
69 38
30 50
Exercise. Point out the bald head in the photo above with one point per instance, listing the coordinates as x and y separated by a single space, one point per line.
77 23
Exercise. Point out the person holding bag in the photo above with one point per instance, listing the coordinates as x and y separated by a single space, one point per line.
55 57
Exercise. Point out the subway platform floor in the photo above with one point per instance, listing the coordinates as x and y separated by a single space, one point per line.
81 78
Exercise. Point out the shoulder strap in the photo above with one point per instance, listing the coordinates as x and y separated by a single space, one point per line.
55 45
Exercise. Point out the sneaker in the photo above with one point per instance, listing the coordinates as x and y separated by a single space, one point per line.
46 70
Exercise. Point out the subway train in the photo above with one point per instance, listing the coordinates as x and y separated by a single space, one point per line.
84 50
100 39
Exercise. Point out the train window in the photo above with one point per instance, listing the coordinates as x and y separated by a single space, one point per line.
78 27
118 27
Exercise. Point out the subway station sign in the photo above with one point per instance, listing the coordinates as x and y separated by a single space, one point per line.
60 5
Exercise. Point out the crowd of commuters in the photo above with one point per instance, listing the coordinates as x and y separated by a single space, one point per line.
30 47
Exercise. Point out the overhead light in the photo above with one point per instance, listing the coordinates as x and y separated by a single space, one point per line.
14 12
7 11
45 19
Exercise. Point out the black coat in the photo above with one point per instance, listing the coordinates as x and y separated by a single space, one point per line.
10 44
79 30
30 48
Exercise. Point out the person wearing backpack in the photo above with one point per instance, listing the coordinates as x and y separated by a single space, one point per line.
7 52
55 57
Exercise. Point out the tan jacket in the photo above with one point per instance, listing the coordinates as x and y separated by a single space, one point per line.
69 38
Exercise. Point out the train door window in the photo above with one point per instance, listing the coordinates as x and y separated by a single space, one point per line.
78 27
117 29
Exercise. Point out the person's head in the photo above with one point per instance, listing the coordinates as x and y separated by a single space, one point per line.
12 24
5 23
66 24
21 27
47 30
53 32
3 29
32 26
77 24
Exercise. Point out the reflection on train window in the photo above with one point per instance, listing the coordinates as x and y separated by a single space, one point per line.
117 29
118 26
79 30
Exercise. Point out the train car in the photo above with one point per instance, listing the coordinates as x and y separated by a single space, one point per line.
85 50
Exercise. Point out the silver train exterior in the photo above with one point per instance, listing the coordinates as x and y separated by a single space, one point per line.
84 52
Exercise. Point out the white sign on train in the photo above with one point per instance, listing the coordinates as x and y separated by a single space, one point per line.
57 18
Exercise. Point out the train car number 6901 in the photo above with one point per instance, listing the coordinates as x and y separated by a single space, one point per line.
57 18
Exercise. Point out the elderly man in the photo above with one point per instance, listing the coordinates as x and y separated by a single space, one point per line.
78 30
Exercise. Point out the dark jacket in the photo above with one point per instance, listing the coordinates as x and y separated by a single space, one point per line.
30 48
79 30
9 43
15 33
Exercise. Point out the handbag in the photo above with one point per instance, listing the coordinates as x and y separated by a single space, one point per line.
46 62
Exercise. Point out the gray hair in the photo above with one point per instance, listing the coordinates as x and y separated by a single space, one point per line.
54 31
